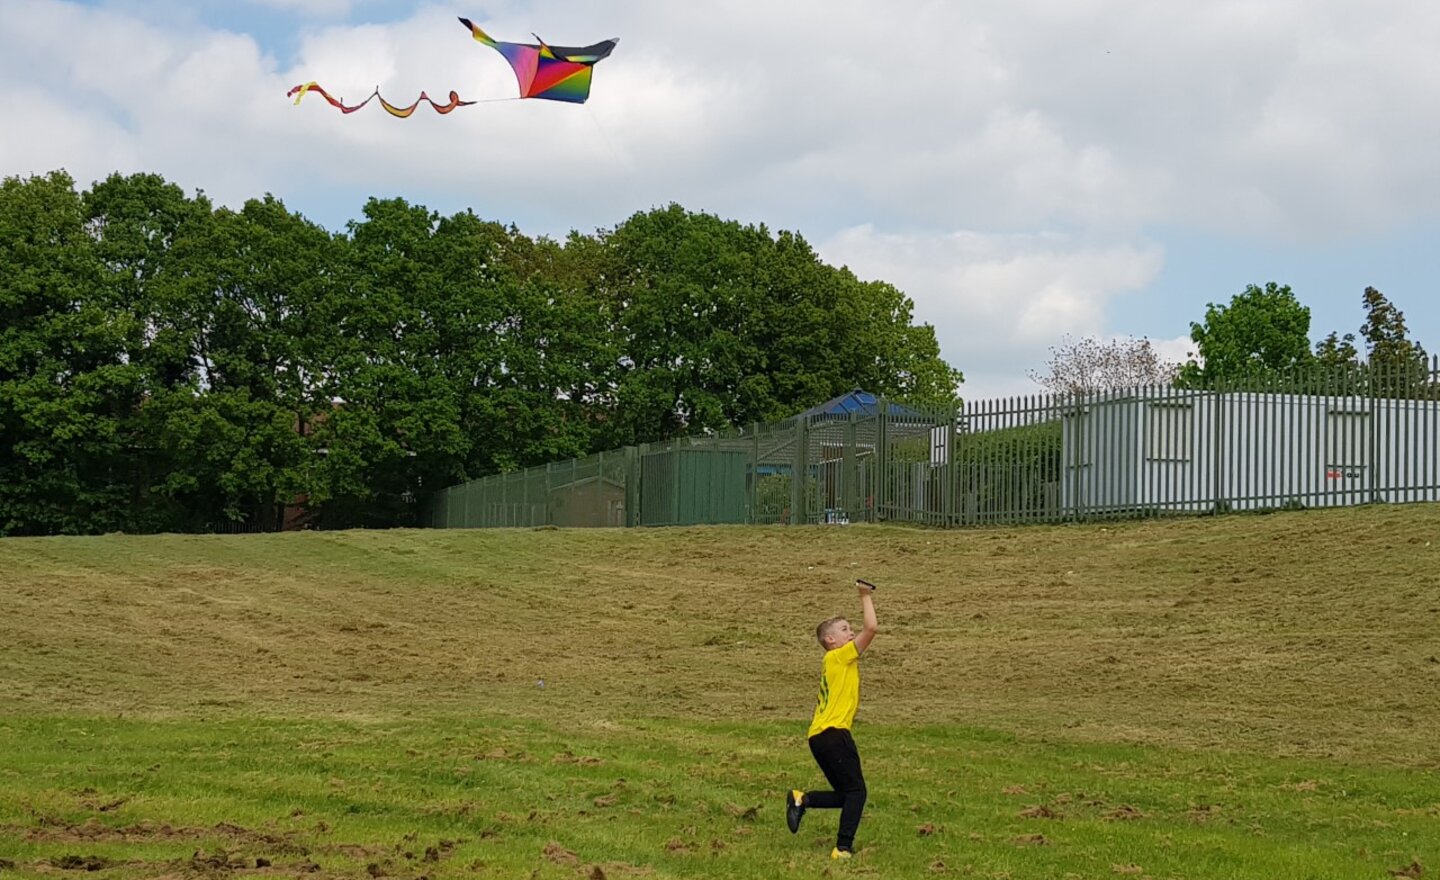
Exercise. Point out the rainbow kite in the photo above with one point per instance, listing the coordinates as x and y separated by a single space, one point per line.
554 73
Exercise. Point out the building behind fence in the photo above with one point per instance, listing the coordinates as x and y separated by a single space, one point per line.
1301 441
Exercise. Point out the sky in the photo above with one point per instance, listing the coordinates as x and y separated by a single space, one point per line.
1027 172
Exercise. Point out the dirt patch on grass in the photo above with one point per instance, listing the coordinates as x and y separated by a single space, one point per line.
356 851
559 854
95 831
78 863
617 869
1039 811
201 863
567 757
1124 813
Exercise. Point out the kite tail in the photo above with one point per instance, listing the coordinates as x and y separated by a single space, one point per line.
442 109
478 34
301 90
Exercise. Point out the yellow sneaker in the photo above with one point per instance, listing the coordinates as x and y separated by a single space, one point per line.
838 853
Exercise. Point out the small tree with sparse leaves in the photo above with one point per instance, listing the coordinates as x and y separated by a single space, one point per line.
1088 365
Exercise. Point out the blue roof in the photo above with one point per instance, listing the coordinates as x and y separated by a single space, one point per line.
859 402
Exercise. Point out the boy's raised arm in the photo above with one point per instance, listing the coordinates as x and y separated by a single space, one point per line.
867 630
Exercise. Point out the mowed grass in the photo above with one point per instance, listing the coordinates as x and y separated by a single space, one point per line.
1250 696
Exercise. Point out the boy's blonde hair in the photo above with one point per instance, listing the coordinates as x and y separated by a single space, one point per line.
824 628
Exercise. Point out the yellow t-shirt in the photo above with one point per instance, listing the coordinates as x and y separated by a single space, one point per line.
839 690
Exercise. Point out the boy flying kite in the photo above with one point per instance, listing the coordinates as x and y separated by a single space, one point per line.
830 740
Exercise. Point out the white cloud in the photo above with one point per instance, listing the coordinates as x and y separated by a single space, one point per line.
1177 350
1060 137
996 116
314 8
999 301
73 138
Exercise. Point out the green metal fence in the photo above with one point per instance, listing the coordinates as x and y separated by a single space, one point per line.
1316 439
593 491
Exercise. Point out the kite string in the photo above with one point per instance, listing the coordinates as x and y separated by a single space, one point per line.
605 136
626 177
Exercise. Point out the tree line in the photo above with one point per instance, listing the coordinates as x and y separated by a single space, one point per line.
1260 340
167 364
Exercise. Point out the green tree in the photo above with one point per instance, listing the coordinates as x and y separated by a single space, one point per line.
243 298
880 348
1387 340
717 323
1397 364
556 355
59 352
1337 351
452 355
81 361
168 365
1392 365
387 403
135 221
1262 334
160 379
1338 367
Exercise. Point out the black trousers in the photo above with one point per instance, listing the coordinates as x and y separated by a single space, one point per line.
834 750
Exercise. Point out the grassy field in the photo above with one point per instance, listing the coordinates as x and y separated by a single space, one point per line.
1250 696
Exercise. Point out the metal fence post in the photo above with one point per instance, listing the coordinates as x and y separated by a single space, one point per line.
800 469
1077 454
632 487
948 472
752 514
1373 452
1217 458
549 489
638 472
849 477
881 499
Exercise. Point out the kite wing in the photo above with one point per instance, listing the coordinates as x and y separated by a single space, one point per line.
555 73
301 90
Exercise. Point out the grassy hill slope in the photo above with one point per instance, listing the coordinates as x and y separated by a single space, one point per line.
1206 699
1311 633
